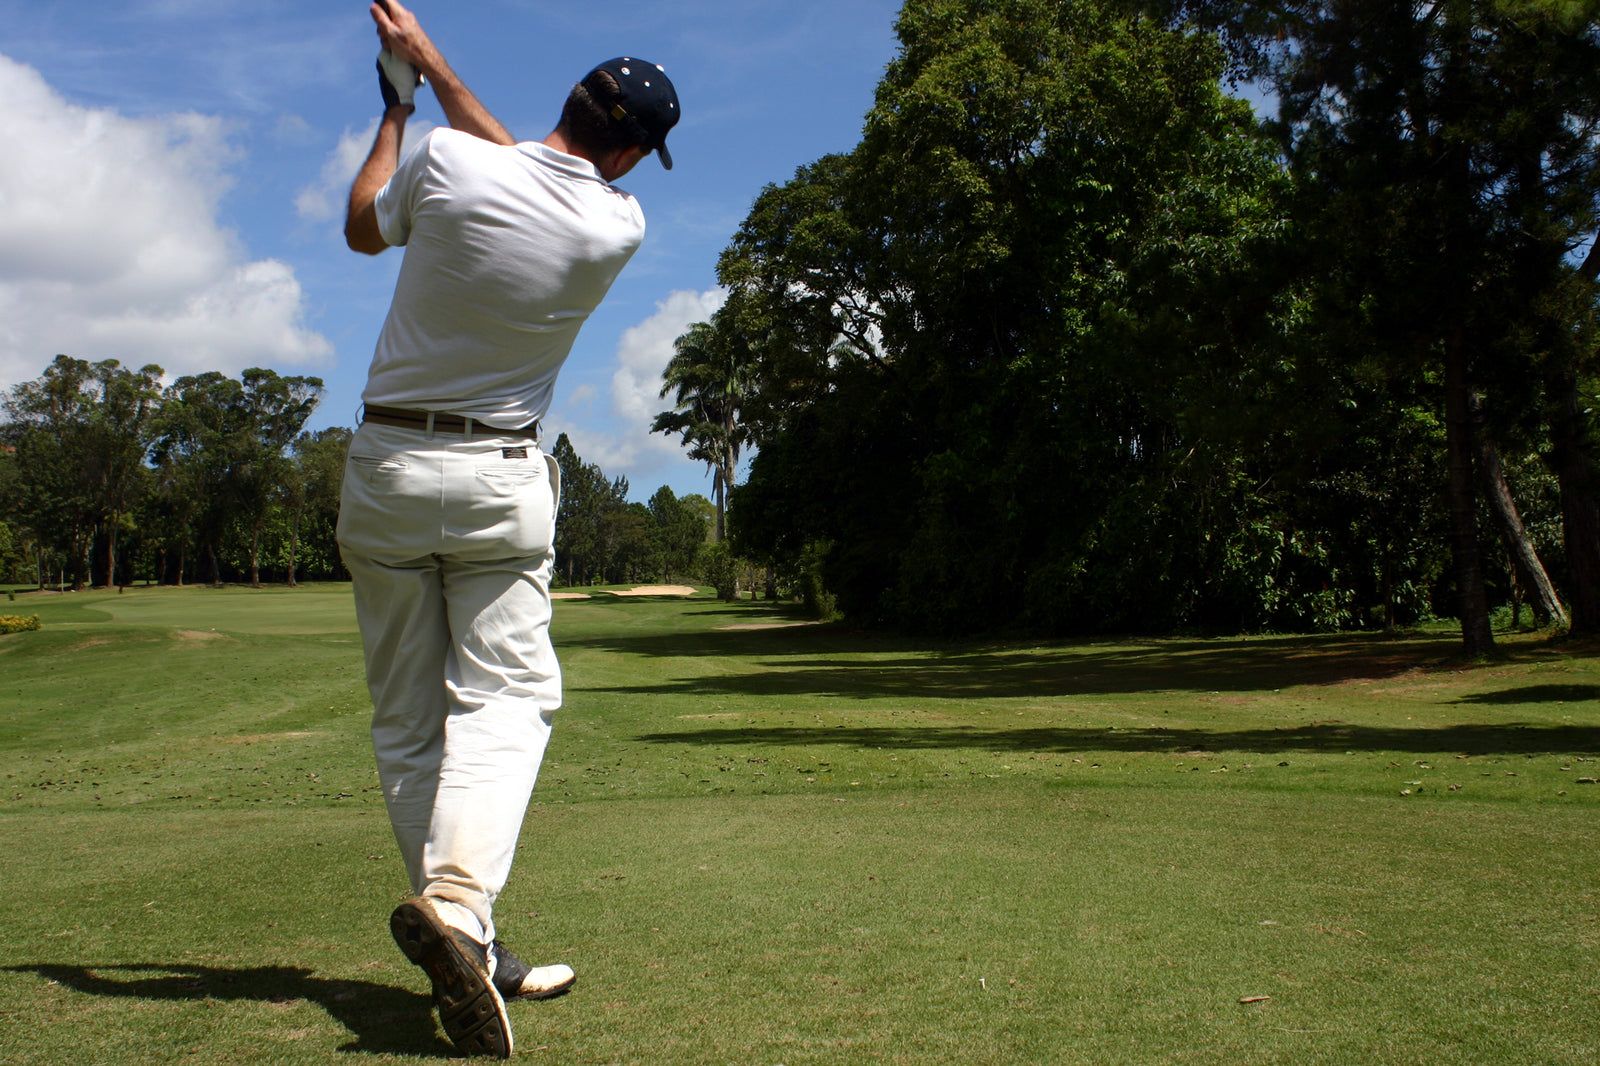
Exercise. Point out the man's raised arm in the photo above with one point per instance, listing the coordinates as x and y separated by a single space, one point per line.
361 231
402 34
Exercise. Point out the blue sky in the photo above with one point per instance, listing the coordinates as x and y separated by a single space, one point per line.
173 183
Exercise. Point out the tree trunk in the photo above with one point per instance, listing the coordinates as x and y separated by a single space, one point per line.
728 464
255 557
1580 512
719 490
1529 571
111 550
1477 637
215 564
294 546
1386 592
82 574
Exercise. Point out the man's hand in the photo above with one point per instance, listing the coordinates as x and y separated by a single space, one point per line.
397 81
402 35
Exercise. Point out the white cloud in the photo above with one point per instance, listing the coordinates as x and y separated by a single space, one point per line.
643 352
110 246
325 198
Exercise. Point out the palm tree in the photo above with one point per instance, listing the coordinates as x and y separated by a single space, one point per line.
712 375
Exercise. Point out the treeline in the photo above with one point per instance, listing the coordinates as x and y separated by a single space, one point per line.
603 539
1072 342
109 478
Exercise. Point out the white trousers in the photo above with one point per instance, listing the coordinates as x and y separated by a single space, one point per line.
449 539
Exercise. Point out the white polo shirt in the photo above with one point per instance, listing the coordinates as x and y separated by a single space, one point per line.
508 250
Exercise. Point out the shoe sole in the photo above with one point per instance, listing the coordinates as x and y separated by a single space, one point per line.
470 1007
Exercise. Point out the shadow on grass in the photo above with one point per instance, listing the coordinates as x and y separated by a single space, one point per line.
1536 694
1499 739
824 660
382 1018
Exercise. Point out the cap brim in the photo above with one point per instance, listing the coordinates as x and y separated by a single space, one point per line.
666 156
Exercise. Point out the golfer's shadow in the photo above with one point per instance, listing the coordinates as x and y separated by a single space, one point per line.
382 1018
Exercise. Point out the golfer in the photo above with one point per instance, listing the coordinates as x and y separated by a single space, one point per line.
448 513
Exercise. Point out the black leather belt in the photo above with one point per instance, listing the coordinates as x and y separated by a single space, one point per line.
406 418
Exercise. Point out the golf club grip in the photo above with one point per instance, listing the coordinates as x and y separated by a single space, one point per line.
385 5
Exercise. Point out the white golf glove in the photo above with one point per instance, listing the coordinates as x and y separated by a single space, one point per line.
397 80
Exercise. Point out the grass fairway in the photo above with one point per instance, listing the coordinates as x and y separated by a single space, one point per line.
761 843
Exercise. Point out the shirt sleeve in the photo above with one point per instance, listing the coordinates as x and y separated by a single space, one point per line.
396 201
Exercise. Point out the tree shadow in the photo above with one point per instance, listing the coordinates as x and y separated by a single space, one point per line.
383 1018
832 661
1536 694
1512 738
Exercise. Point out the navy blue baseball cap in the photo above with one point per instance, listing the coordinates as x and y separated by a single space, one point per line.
645 101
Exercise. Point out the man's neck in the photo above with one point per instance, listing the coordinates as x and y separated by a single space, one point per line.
559 142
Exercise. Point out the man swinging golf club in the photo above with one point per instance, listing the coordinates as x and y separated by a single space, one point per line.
448 514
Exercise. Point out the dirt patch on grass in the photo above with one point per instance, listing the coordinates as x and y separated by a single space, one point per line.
198 636
257 738
770 625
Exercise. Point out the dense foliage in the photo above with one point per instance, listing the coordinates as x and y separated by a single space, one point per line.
601 538
1071 341
107 478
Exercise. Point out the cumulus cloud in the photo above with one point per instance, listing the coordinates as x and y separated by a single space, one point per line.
110 246
643 352
325 198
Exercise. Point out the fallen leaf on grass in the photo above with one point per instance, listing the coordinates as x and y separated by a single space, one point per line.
1255 999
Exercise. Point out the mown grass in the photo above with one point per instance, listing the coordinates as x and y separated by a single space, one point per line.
804 844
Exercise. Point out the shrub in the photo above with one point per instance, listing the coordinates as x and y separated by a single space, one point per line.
15 623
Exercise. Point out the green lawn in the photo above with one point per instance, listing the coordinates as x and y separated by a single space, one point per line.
804 844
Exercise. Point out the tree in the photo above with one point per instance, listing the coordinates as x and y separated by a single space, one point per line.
225 442
1010 348
586 532
81 433
680 533
629 534
1448 169
311 486
709 375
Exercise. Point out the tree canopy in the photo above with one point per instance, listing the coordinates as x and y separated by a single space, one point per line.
1072 341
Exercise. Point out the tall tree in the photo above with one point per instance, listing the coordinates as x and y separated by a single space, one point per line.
585 522
997 340
680 533
1448 164
709 375
81 433
225 442
311 485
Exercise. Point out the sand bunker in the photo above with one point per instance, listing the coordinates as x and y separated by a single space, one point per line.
747 626
637 590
